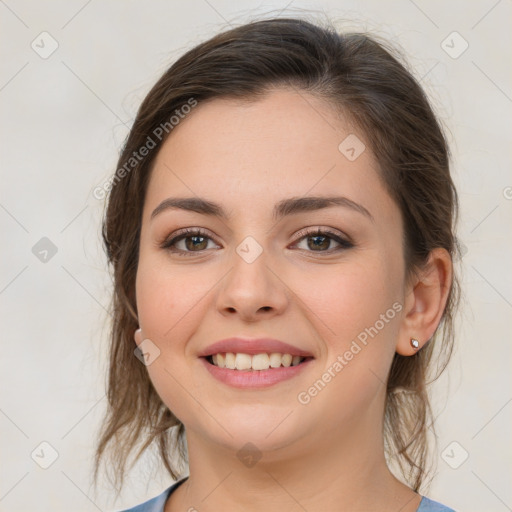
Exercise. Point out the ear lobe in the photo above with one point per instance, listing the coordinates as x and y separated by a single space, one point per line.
137 336
427 298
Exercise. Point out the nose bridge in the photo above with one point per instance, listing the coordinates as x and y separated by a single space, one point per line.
251 284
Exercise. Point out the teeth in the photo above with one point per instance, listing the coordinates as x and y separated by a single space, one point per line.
262 361
243 361
230 360
275 360
287 359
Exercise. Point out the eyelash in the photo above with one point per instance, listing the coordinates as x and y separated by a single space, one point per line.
189 232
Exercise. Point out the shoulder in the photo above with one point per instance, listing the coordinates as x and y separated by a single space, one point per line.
428 505
157 503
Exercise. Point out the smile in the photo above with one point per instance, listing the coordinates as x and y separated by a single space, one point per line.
254 371
263 361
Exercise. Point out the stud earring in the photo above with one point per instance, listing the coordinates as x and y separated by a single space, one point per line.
415 344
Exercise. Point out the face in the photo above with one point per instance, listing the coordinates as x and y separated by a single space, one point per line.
336 294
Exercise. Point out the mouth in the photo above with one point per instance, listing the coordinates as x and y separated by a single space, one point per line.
251 363
254 371
255 362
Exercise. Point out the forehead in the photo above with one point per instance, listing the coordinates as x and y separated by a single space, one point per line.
252 153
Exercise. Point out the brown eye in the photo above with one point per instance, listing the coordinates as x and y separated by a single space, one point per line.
194 241
321 240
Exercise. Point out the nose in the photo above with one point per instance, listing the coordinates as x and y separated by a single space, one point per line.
253 289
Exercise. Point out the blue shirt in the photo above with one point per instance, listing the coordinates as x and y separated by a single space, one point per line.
157 504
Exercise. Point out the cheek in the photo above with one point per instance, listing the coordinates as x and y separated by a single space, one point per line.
165 302
354 312
165 298
345 299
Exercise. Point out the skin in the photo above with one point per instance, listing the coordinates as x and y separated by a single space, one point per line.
326 454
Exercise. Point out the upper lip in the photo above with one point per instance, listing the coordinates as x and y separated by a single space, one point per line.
253 346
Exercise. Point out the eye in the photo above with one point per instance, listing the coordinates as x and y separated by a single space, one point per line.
195 241
321 239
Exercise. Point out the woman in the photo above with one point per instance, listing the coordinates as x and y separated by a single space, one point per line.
281 230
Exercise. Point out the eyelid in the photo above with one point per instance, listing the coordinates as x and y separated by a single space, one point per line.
313 230
184 232
343 240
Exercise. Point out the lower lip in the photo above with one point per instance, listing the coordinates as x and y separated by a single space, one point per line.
254 378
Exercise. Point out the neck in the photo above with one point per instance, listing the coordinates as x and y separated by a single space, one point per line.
325 471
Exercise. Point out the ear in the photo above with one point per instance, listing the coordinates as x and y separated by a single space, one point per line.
425 301
137 336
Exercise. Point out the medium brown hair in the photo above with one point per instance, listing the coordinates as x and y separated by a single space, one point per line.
364 79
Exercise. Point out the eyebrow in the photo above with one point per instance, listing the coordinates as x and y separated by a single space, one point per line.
281 209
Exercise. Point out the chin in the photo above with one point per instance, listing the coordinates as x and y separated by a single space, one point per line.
266 433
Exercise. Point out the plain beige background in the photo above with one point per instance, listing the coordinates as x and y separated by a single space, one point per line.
68 97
